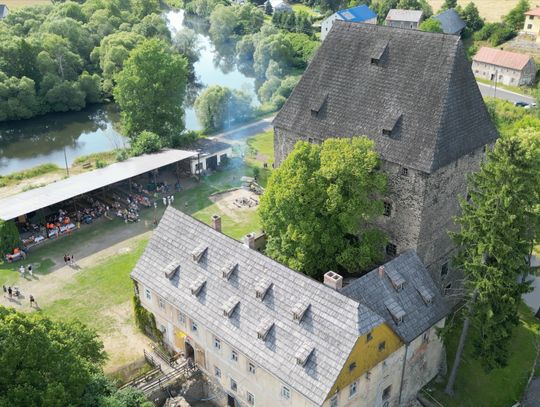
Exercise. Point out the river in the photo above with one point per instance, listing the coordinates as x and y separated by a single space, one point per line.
27 143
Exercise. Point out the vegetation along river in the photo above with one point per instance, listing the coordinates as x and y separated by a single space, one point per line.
27 143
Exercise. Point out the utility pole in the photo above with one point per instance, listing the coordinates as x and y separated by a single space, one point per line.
65 160
495 91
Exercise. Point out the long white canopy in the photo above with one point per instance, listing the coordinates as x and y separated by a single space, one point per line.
29 201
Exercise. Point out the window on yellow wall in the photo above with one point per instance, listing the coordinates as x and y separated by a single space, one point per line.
369 336
352 366
382 346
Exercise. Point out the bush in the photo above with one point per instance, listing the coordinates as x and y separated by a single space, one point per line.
100 163
146 143
9 237
186 138
122 155
145 320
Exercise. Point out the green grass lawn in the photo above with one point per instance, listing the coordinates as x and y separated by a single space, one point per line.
501 387
302 7
96 290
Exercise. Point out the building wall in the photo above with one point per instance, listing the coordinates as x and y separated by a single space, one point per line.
532 25
202 159
424 356
505 76
266 388
326 25
402 24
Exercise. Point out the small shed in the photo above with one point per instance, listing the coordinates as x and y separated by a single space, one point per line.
211 154
451 22
404 18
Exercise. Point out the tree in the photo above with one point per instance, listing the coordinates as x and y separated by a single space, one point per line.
150 90
146 143
268 9
318 206
449 4
9 237
516 17
431 25
218 107
471 17
493 243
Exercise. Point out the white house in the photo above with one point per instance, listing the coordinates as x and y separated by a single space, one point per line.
509 68
359 14
404 18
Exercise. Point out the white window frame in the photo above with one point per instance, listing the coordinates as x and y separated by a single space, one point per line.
234 385
148 294
234 355
217 371
285 393
181 318
250 398
217 343
194 327
161 303
251 368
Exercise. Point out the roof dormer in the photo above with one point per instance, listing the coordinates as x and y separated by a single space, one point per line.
397 280
198 253
426 294
395 310
303 353
262 288
264 328
228 270
172 269
197 286
299 310
229 306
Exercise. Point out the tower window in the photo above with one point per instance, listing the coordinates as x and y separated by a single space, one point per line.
391 249
387 209
404 171
447 288
382 346
444 270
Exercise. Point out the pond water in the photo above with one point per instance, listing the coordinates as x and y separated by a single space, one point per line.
27 143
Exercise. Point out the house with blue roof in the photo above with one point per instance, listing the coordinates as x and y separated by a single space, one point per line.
359 14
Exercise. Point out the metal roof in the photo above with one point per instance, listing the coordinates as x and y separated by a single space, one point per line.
30 201
451 22
396 14
357 14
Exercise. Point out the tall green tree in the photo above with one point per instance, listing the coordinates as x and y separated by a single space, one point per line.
449 4
9 237
150 90
516 17
493 244
431 25
319 204
471 17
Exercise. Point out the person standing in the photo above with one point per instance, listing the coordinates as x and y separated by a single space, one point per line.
30 271
10 292
65 259
72 259
164 201
5 289
32 301
21 270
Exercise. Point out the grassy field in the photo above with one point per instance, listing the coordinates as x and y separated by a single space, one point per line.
491 10
500 387
13 4
302 7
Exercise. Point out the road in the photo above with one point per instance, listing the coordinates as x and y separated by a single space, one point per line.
240 133
487 90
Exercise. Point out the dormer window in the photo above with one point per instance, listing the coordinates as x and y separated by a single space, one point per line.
378 53
197 287
229 307
390 125
426 294
303 353
198 253
171 270
262 288
264 328
228 270
397 280
375 61
395 310
299 310
317 103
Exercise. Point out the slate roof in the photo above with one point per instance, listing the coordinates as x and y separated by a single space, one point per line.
451 22
419 301
505 59
330 326
413 16
423 78
357 14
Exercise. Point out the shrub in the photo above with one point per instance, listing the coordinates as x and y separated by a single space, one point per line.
122 155
146 143
100 163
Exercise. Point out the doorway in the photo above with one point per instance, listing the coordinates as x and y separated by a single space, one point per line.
190 352
211 163
231 402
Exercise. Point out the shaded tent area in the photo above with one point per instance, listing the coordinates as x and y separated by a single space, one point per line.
118 190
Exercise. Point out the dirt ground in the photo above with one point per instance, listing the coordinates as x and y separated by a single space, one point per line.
228 202
491 10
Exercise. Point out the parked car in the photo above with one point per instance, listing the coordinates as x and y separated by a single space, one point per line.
521 104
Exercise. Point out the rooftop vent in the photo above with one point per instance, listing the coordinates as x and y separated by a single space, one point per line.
333 280
396 279
426 294
377 54
197 286
395 310
389 125
171 269
264 328
303 354
299 310
226 271
229 306
318 102
262 288
198 253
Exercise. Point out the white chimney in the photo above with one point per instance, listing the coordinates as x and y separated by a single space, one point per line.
216 222
333 280
249 240
381 272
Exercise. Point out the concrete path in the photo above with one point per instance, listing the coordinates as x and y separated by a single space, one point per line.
241 133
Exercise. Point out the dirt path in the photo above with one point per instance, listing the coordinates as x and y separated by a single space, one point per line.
228 202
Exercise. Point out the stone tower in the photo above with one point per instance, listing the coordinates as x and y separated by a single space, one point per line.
413 93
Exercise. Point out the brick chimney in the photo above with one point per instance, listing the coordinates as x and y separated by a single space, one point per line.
333 280
216 222
249 240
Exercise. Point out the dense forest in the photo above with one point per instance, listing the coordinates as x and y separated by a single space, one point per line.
61 57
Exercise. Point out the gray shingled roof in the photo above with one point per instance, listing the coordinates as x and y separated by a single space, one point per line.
451 22
423 78
397 14
421 301
331 325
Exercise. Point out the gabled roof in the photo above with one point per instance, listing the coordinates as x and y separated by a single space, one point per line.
451 22
357 14
323 338
505 59
406 310
533 12
413 16
423 78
